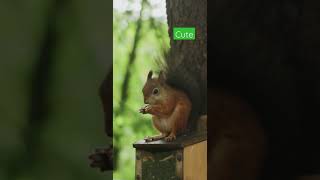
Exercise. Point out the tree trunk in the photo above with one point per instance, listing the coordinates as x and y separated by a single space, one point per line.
189 13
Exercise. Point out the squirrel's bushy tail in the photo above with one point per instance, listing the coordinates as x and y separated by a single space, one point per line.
179 76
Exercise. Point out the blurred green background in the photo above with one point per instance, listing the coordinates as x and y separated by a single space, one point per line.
72 124
140 34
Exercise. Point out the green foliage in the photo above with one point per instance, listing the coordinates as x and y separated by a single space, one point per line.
74 124
130 126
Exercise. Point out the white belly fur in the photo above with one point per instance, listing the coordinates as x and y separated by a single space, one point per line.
163 124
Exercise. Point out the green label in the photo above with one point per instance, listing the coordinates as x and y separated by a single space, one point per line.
180 33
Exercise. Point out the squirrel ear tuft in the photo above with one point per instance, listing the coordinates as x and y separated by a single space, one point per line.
150 74
161 76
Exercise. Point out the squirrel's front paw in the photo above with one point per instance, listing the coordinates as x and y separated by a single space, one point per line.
142 110
171 137
145 109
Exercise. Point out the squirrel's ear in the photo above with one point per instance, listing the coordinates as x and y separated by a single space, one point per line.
150 75
161 76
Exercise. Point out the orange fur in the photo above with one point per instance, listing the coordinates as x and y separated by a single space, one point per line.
170 108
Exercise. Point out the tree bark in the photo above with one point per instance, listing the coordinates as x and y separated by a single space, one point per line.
193 53
189 13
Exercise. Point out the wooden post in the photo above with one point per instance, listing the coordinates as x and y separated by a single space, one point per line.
183 159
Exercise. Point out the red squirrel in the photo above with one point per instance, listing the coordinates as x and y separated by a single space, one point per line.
170 108
237 138
176 99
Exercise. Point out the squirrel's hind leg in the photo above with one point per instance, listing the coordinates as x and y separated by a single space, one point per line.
171 137
155 138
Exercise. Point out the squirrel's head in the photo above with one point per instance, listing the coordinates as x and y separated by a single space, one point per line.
153 90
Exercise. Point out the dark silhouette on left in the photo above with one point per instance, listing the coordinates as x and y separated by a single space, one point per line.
103 158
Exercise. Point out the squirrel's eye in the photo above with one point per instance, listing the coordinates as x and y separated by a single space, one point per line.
155 91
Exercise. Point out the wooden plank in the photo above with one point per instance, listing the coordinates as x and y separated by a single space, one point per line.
195 162
181 142
159 165
138 171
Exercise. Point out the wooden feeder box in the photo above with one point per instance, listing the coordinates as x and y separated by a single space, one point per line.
183 159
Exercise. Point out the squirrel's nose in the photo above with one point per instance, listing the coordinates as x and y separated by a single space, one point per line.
145 101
